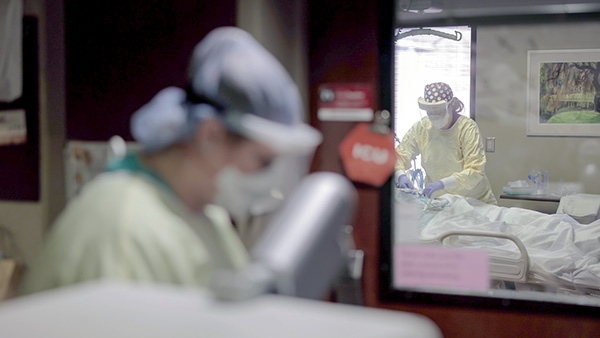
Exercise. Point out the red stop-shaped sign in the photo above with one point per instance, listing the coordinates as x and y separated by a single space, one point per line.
368 157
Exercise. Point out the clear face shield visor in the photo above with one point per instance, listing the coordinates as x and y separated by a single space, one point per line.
439 113
298 139
257 194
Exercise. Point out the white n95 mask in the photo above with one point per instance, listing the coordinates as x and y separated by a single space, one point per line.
252 197
440 120
249 195
237 192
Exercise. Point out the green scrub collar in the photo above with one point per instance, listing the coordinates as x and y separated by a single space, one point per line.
132 163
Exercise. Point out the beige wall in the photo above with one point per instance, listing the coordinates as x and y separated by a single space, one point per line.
501 106
280 26
28 220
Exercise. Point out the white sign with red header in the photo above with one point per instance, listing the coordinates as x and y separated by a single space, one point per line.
13 127
345 102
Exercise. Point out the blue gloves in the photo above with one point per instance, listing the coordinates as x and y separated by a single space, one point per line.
433 187
404 182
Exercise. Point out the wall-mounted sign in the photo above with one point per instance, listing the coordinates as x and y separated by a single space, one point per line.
345 102
417 266
368 157
13 127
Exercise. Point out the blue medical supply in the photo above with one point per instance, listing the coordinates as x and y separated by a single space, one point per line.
417 178
541 179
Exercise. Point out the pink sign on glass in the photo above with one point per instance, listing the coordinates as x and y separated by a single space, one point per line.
440 267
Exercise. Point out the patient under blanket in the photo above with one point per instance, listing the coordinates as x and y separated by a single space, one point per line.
560 248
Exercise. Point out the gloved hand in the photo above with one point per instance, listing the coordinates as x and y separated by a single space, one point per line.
433 187
404 182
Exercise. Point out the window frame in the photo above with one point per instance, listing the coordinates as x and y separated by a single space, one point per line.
387 293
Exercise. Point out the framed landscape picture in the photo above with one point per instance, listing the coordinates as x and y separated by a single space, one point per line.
563 93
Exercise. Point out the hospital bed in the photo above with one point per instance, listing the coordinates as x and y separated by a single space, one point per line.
527 250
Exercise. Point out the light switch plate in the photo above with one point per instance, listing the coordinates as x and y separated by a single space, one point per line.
490 144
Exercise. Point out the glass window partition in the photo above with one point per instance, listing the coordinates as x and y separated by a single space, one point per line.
508 211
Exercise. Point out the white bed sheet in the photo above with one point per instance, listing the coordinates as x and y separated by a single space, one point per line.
560 248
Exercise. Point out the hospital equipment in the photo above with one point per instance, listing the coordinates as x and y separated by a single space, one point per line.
417 176
305 246
541 179
519 187
411 178
420 196
426 31
536 251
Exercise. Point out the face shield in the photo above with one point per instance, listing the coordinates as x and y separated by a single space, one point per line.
254 97
250 197
440 117
284 139
171 117
436 101
234 79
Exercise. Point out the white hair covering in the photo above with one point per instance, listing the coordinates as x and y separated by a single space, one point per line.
240 82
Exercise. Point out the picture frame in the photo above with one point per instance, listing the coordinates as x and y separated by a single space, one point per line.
561 97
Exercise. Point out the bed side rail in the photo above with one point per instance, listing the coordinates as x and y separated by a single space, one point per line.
501 268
